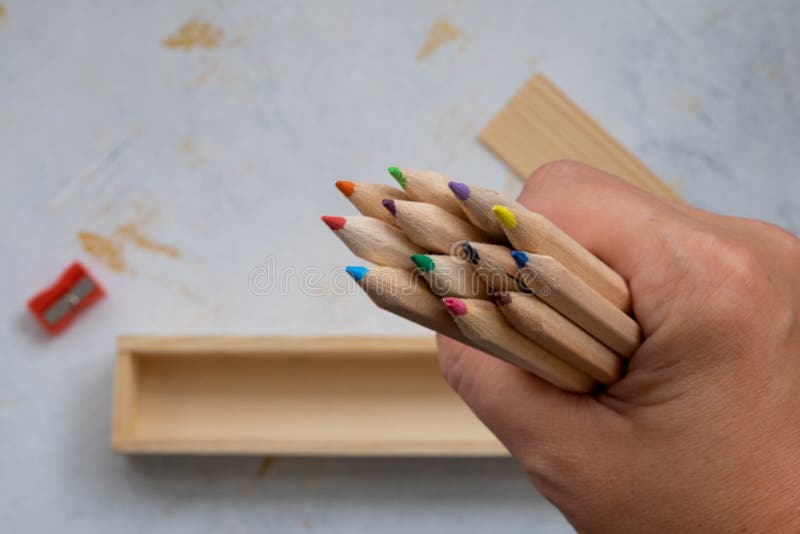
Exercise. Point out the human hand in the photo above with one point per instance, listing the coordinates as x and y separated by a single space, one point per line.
703 432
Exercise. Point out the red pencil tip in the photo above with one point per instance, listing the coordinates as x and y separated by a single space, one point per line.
345 187
455 306
334 223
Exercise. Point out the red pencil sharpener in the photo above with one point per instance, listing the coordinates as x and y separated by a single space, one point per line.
57 306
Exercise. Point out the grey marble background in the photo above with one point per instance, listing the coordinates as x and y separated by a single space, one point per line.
229 155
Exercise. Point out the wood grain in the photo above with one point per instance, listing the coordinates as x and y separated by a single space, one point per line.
485 325
576 300
541 124
564 339
340 396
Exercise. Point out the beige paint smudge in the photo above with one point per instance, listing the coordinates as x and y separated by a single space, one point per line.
134 235
110 250
195 33
441 33
2 11
103 250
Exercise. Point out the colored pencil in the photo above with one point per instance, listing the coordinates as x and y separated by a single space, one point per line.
569 294
477 203
367 198
554 332
530 231
450 277
493 264
483 323
427 186
400 292
374 240
430 226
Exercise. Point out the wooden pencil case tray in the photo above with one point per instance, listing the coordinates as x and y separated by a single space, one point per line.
332 396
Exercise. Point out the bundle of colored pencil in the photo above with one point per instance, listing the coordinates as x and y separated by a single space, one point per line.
442 259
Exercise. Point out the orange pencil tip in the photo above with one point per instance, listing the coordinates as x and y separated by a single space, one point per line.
346 187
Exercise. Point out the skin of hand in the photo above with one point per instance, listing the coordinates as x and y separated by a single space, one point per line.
703 432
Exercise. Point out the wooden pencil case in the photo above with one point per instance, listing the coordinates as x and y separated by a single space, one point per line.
343 396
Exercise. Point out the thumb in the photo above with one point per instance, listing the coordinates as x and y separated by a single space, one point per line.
629 229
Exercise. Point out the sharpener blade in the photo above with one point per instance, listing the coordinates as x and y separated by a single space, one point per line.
66 303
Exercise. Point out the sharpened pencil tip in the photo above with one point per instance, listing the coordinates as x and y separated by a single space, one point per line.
505 216
520 258
388 203
461 191
501 298
397 174
346 187
470 253
334 223
356 271
455 306
424 262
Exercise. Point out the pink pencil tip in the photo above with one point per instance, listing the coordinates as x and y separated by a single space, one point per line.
455 306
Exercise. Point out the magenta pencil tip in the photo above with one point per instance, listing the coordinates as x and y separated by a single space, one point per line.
455 306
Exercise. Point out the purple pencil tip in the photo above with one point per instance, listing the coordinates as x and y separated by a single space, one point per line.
388 203
461 191
501 298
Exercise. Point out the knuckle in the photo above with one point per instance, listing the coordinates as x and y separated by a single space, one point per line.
554 181
553 172
781 238
731 259
739 262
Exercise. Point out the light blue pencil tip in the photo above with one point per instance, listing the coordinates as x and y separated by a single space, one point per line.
356 271
520 258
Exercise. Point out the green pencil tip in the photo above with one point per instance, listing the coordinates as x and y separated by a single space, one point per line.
424 262
397 174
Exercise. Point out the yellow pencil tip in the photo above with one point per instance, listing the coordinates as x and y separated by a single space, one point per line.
505 216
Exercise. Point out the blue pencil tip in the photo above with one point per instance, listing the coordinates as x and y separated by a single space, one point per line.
356 271
520 258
